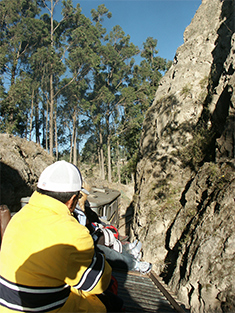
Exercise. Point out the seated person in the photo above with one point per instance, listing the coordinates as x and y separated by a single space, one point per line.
120 256
48 261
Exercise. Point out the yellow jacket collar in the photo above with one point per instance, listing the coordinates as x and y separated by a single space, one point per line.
46 202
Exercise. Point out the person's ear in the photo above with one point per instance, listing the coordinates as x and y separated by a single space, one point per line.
71 203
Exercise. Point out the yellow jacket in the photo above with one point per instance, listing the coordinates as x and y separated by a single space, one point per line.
48 262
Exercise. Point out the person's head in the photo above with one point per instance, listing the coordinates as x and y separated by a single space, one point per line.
62 181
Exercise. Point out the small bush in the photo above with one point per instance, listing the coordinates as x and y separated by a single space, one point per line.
186 91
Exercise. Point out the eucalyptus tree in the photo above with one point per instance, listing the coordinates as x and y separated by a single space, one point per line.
39 65
93 150
89 151
151 68
54 65
138 97
112 75
21 32
83 57
69 115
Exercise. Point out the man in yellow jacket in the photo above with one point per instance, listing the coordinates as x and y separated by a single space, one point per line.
47 259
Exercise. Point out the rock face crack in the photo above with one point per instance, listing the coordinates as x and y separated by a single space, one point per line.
182 199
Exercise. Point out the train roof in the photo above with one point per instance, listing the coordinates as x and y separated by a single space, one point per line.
102 196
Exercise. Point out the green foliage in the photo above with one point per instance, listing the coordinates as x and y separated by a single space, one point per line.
128 169
186 91
196 151
98 16
139 94
15 107
163 191
204 82
86 77
89 152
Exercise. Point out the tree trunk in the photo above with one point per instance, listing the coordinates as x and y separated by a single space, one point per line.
51 115
75 147
102 157
108 150
99 160
51 87
71 147
37 122
10 123
56 139
118 164
47 114
109 160
31 117
77 152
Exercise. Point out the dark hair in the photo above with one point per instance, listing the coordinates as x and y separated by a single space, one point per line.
61 196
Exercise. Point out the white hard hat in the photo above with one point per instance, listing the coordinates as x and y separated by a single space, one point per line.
61 176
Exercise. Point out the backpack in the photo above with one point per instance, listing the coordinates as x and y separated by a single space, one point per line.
105 236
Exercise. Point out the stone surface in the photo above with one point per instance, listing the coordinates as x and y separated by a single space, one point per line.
21 163
184 192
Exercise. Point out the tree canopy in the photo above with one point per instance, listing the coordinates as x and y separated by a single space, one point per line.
69 83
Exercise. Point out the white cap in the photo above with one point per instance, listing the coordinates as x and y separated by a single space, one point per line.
61 176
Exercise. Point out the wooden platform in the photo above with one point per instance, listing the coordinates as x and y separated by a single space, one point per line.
140 294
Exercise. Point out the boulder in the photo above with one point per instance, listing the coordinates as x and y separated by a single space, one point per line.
21 163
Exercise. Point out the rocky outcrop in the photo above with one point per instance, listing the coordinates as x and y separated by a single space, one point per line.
184 193
21 163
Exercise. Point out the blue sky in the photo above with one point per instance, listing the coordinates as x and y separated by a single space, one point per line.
164 20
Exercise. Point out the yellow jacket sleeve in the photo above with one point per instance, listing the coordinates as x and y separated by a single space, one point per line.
88 271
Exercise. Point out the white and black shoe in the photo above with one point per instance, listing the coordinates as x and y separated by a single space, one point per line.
143 267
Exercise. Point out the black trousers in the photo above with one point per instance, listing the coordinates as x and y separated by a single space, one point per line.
113 303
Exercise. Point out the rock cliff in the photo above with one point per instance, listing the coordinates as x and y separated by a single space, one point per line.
21 163
184 200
